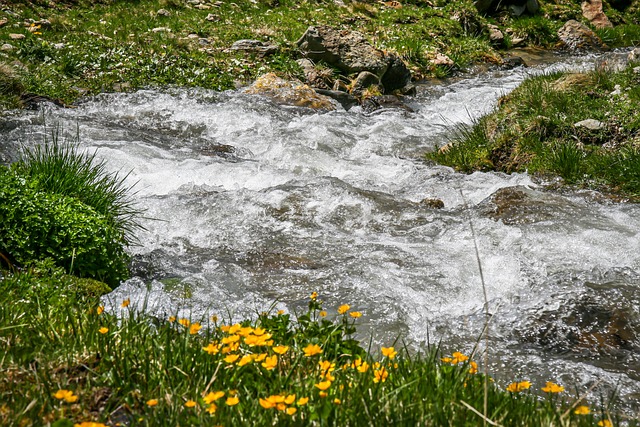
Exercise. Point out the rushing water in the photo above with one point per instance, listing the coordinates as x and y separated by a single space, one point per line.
330 203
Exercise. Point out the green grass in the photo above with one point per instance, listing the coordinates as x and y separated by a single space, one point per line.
130 368
93 47
533 130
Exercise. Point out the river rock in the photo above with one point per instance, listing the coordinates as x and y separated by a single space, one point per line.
590 124
364 81
287 92
613 62
255 46
163 12
442 59
577 36
351 53
496 37
316 78
14 36
522 205
345 99
592 10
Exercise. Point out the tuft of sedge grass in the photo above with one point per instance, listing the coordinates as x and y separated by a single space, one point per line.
126 366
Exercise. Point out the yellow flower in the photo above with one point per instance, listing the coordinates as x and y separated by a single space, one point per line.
302 401
291 411
446 360
326 366
280 312
389 352
184 322
212 348
259 331
281 406
343 308
231 358
314 295
312 350
66 395
270 362
290 399
380 375
337 401
125 303
152 402
582 410
323 385
259 357
194 328
323 313
234 328
214 318
231 401
212 408
355 314
213 396
100 310
605 423
280 349
172 319
246 359
552 388
266 403
518 387
323 394
459 358
89 424
190 403
225 328
231 339
103 330
246 331
473 367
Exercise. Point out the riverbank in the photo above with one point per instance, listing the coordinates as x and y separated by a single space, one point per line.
62 51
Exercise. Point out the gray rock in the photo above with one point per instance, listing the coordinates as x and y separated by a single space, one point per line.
351 53
7 47
364 81
345 99
590 124
612 62
577 36
163 12
496 36
255 46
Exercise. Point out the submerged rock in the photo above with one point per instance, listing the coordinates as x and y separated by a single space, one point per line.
287 92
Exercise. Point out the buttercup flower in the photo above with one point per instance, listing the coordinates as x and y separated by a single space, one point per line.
582 410
212 408
290 399
323 385
103 330
314 295
343 308
184 322
312 350
291 411
190 403
380 375
355 314
212 348
389 352
337 401
245 360
552 388
194 328
66 395
100 310
280 349
302 401
323 313
213 396
270 362
518 387
605 423
89 424
172 319
125 303
152 402
231 401
459 358
231 358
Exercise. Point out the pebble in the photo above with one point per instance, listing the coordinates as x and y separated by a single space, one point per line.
163 12
6 47
14 36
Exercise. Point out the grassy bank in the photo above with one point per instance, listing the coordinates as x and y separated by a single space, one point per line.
540 128
68 362
65 50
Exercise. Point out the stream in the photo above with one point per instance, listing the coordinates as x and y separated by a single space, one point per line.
299 201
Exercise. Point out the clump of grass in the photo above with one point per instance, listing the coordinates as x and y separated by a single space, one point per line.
59 203
70 361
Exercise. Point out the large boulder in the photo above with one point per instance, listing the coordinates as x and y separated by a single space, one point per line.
577 36
592 10
351 53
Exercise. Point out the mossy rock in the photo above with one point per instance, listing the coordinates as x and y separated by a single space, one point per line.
85 287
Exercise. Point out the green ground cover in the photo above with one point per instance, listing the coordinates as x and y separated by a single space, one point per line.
67 362
73 48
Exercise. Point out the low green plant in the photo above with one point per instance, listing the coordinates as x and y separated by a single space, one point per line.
61 204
